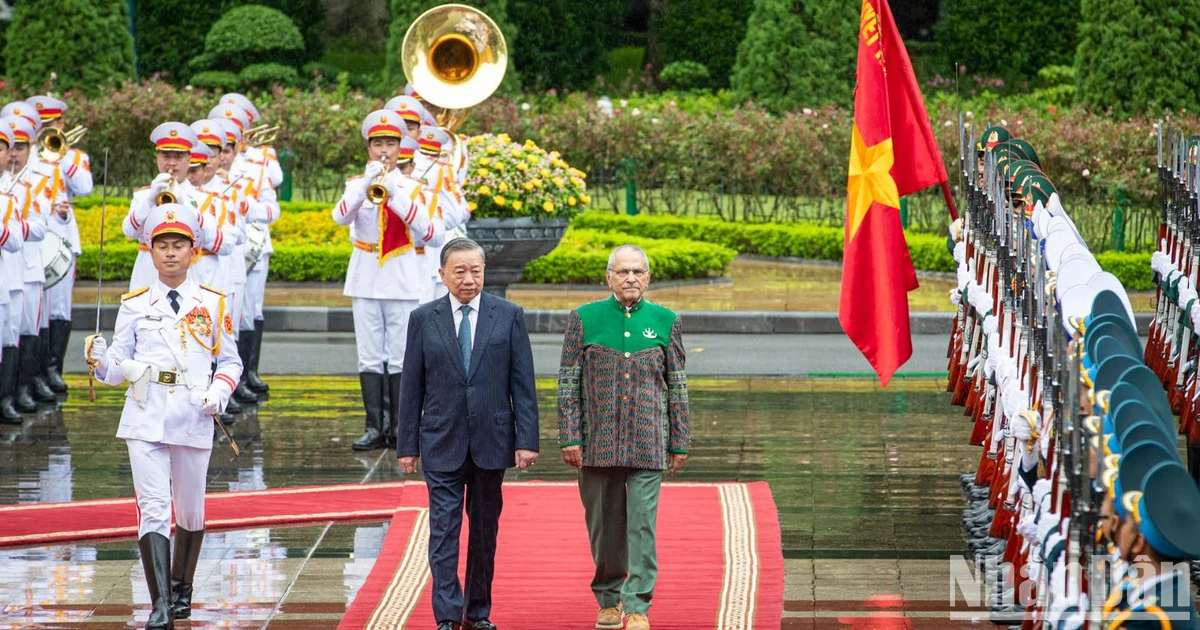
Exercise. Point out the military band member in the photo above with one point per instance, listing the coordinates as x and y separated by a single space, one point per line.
229 182
167 337
173 142
442 195
385 278
31 384
260 164
75 170
12 236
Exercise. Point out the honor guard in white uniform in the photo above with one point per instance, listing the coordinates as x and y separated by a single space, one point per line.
260 165
444 199
31 384
12 235
173 142
386 277
229 183
411 111
168 337
75 171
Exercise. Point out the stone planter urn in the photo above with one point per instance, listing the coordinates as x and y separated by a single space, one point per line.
509 245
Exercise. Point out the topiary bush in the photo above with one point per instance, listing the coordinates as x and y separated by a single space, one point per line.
260 43
217 81
582 257
684 75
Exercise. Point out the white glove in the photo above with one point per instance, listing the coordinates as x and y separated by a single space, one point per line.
160 183
1020 428
210 402
393 190
374 170
99 350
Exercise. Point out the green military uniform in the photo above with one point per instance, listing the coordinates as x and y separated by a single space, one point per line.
622 397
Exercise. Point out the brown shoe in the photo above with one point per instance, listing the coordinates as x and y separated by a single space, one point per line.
609 618
637 622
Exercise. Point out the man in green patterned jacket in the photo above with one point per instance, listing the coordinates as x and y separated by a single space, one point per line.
623 420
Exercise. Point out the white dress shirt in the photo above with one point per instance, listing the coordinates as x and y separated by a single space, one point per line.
458 313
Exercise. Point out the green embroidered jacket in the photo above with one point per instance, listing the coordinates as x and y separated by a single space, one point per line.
622 385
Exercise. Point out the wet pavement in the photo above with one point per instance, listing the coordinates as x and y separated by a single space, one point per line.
864 479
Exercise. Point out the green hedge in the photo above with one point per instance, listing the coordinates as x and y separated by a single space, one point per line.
1133 270
582 257
798 240
93 201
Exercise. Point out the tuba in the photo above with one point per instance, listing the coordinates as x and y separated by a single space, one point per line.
455 57
54 143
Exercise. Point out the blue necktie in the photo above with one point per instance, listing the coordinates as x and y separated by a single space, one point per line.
173 295
464 336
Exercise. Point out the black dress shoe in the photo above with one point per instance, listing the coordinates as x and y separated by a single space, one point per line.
447 625
482 624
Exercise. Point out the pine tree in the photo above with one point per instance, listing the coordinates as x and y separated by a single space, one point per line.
798 53
704 31
1137 56
405 12
85 42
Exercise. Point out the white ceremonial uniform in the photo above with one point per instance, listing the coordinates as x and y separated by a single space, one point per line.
167 357
33 275
210 268
446 201
75 168
383 296
134 227
231 277
261 176
12 236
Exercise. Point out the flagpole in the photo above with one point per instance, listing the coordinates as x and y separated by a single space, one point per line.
949 201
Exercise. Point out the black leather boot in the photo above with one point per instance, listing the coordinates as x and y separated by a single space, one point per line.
393 413
183 570
242 393
156 561
60 334
255 383
8 386
372 393
27 362
41 389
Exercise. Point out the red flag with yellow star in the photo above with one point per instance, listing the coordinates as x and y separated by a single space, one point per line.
892 153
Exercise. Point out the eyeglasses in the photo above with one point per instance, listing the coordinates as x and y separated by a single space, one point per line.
625 273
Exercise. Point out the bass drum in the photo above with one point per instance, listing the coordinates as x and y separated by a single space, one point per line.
256 242
57 257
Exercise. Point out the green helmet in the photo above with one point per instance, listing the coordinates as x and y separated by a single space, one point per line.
991 136
1025 149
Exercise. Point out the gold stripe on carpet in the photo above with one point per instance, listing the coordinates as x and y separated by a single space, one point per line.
408 582
739 586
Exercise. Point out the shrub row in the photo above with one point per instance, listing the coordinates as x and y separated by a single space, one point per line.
815 242
582 257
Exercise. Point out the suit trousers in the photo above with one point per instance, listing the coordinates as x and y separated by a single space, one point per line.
164 474
620 506
58 297
381 333
484 501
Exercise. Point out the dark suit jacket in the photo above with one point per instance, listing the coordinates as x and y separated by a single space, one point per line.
446 413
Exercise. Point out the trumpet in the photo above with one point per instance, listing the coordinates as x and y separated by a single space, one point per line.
55 143
260 135
376 192
166 196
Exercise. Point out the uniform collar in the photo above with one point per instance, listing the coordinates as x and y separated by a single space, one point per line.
627 309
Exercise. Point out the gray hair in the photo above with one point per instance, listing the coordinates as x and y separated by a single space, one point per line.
612 258
460 244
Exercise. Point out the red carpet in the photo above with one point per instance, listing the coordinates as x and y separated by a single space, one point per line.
720 564
45 523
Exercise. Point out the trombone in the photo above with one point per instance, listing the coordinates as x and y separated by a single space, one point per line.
55 142
262 134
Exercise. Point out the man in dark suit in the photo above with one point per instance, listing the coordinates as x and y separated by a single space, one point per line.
468 409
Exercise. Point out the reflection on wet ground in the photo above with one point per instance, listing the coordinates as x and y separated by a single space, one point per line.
864 479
